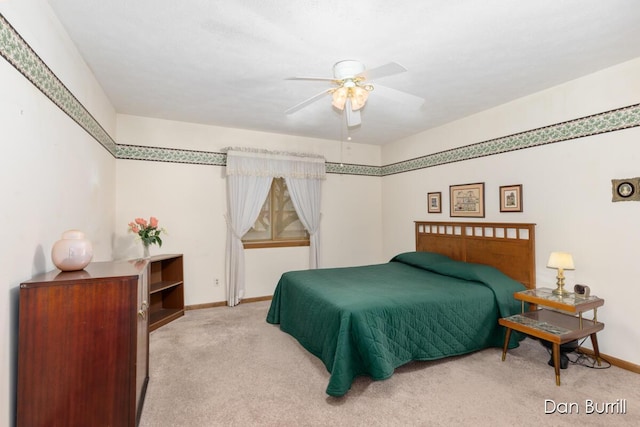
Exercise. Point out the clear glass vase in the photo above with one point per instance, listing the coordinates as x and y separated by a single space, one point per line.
145 251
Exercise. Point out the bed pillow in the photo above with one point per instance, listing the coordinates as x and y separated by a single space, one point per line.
420 259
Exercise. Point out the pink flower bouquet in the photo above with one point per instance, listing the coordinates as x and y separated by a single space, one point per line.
148 232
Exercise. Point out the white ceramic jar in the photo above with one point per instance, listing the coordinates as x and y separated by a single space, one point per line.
72 252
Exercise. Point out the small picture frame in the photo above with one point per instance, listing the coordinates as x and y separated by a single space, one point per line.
434 202
511 198
466 200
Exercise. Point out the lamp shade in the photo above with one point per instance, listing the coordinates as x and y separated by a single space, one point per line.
359 96
561 260
339 97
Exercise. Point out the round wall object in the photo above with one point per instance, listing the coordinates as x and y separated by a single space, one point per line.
73 252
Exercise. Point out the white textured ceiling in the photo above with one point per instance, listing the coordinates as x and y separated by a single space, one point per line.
224 62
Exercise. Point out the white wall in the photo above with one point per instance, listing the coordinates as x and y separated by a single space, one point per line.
566 188
53 175
606 90
190 202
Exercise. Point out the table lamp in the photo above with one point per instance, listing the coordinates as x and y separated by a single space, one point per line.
562 261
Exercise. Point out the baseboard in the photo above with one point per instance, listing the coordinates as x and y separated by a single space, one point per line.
614 361
257 299
224 303
207 305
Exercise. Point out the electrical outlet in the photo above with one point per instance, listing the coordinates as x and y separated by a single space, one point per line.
217 282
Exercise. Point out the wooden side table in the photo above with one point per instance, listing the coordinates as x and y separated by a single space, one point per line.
559 322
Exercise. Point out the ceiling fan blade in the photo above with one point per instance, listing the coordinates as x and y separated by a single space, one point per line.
411 101
383 71
307 102
324 79
353 117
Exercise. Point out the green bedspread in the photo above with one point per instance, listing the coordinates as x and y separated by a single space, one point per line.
369 320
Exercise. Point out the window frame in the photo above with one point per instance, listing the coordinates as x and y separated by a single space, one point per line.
275 243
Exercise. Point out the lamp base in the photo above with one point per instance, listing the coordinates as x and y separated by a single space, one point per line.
560 291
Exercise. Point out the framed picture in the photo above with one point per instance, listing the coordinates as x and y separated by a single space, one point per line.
434 202
511 198
466 200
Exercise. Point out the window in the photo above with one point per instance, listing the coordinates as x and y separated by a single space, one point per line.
277 224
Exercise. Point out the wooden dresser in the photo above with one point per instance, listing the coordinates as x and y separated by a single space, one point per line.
83 346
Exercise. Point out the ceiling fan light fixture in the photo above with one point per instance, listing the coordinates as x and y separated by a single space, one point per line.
351 90
358 97
339 97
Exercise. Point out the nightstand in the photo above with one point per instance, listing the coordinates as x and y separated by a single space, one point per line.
559 321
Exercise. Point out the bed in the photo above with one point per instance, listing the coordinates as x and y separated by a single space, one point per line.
443 299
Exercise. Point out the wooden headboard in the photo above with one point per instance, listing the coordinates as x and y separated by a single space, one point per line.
509 247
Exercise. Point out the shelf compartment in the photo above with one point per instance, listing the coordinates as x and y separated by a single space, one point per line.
161 286
166 289
551 325
163 316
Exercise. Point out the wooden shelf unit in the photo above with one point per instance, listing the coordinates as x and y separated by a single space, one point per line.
166 289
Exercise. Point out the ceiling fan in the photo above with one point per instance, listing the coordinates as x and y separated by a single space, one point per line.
352 86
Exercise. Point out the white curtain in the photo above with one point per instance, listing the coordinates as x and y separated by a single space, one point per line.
249 175
305 196
245 197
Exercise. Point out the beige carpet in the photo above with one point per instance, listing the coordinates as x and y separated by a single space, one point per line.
227 366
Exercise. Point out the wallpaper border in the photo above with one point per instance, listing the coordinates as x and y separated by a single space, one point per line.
614 120
19 54
608 121
24 59
211 158
171 155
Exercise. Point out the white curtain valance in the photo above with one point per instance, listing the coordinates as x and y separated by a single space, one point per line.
249 162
